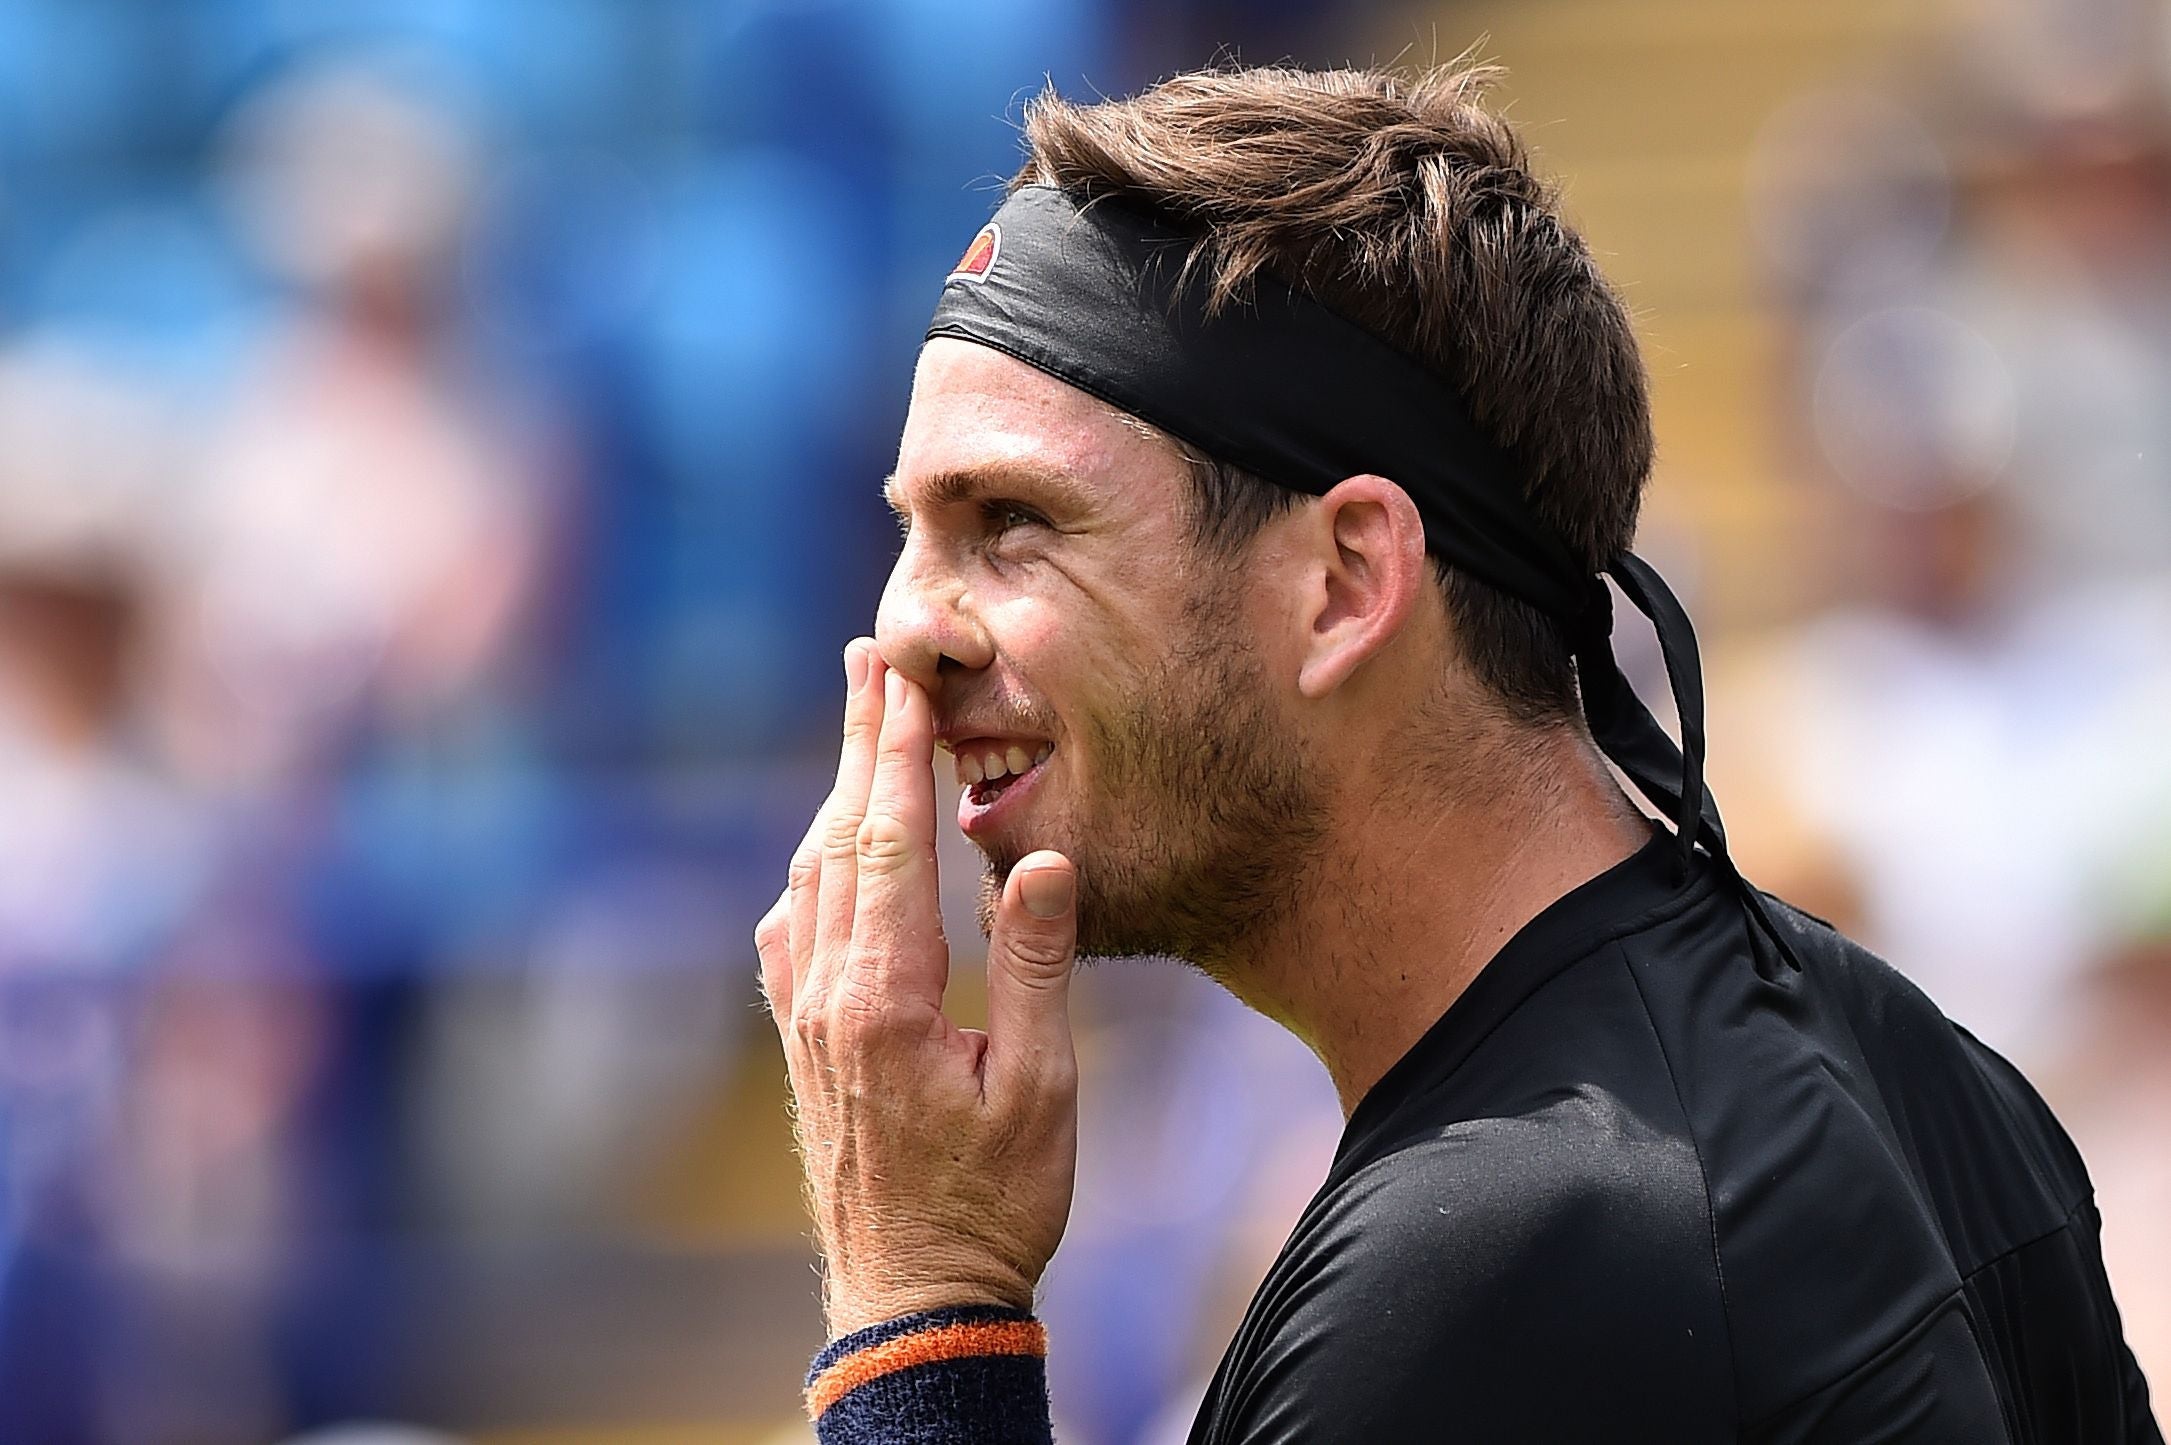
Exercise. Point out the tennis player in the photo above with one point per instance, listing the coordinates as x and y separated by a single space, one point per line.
1266 458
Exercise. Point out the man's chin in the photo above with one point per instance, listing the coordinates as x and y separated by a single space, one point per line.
1106 928
1000 859
996 863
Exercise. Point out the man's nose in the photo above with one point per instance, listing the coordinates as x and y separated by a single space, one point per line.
926 620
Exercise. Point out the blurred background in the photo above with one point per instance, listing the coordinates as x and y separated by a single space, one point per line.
439 450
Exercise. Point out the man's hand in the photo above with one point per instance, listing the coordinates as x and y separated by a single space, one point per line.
939 1160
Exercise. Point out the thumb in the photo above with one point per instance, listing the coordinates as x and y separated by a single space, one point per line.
1030 950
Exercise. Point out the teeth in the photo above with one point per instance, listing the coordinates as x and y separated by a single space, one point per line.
1000 762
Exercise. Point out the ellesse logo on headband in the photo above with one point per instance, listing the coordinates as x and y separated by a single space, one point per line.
979 257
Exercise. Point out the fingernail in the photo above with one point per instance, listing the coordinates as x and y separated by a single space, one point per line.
893 689
855 666
1046 892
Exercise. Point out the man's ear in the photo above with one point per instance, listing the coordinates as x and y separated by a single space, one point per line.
1365 568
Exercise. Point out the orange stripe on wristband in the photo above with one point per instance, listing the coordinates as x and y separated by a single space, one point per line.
949 1342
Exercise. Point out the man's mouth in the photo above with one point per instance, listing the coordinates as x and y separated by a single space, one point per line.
992 770
988 766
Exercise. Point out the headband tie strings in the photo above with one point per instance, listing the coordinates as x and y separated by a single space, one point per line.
1098 296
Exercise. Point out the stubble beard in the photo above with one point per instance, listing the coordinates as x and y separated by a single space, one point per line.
1205 816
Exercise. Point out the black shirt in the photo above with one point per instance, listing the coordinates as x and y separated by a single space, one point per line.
1644 1181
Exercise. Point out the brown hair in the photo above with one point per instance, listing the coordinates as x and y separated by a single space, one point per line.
1412 210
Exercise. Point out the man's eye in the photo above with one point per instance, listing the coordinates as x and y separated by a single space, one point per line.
1002 516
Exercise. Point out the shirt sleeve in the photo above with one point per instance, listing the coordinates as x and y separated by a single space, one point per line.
975 1372
1459 1293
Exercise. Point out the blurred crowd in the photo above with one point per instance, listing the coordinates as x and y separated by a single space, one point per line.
438 463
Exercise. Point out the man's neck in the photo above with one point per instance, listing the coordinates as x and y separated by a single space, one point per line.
1413 901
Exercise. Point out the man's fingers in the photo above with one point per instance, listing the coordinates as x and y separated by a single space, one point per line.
772 941
1031 949
802 890
837 879
897 930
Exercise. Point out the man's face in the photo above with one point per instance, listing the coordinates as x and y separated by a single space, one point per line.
1103 686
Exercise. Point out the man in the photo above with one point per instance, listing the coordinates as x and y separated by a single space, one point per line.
1260 466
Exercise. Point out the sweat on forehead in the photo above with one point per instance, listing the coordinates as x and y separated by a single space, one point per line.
1145 429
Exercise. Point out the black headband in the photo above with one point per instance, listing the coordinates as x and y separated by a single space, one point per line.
1097 296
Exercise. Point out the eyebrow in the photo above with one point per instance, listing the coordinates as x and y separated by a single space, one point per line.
1001 479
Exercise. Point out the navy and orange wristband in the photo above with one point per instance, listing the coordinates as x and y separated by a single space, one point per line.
970 1372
